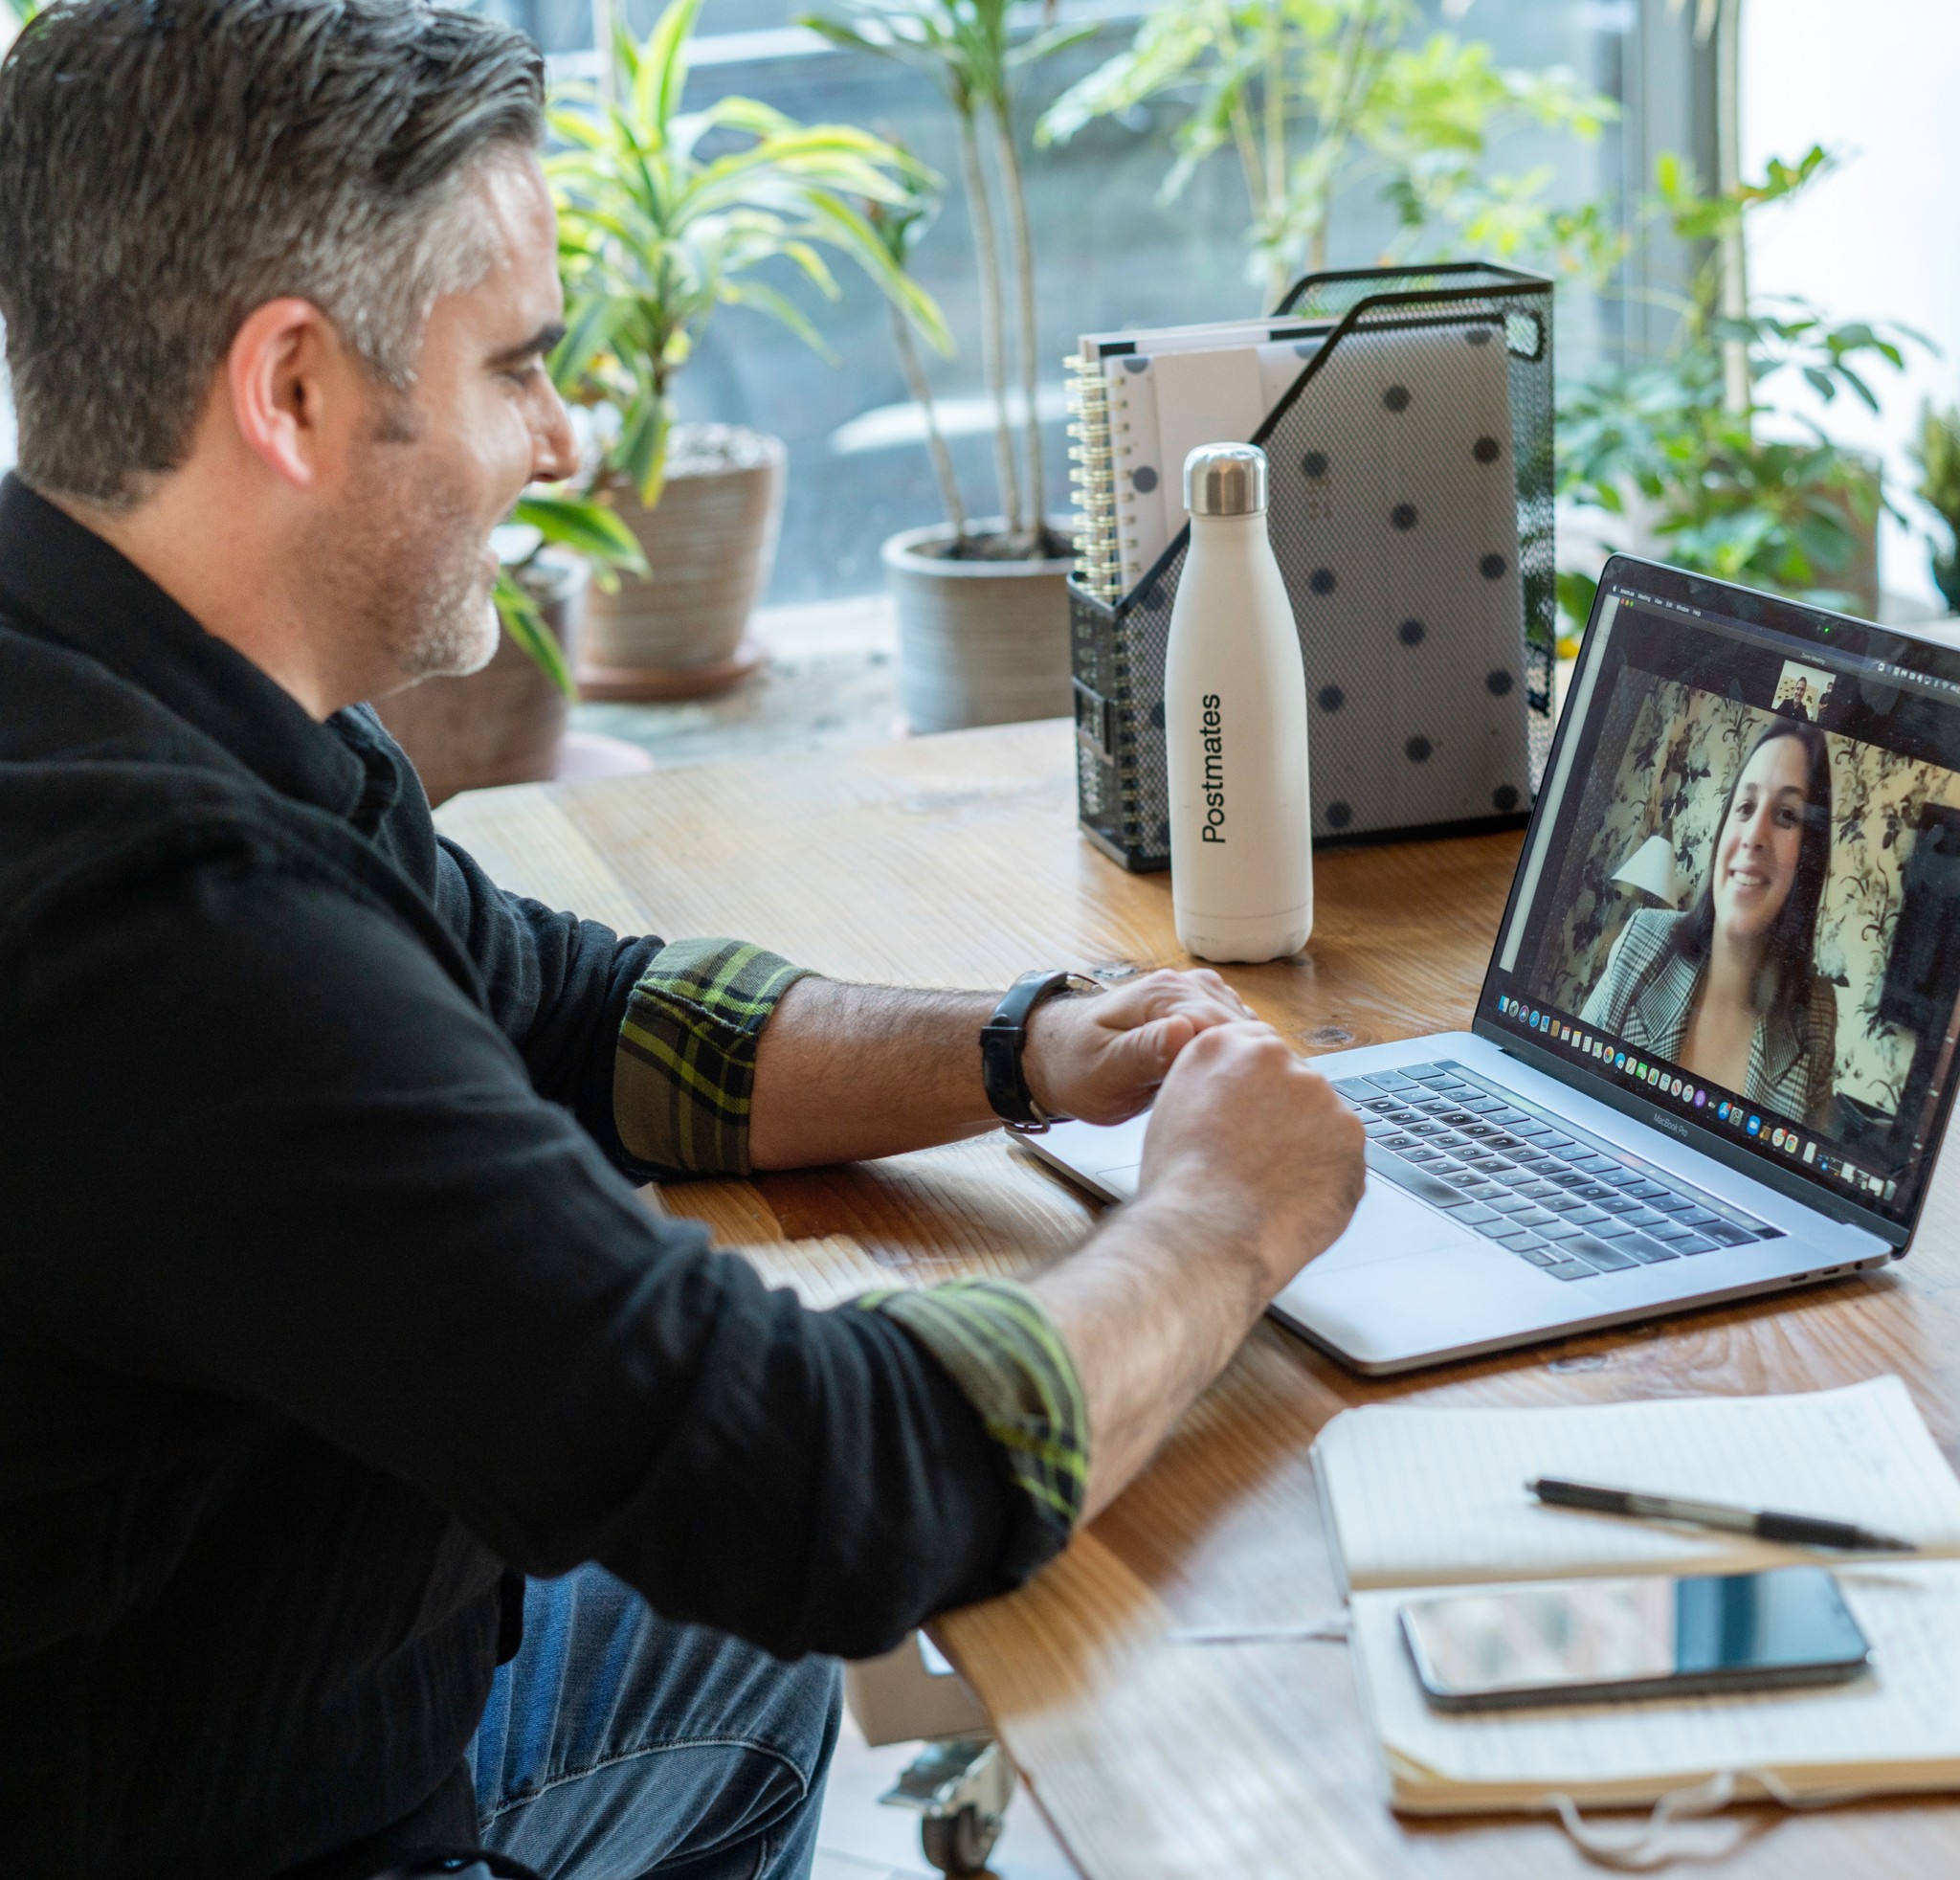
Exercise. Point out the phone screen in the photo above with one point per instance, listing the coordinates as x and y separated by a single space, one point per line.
1596 1638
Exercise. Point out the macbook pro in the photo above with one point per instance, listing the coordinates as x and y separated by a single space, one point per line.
1714 1051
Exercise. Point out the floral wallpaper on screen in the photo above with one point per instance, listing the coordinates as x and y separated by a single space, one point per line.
1681 747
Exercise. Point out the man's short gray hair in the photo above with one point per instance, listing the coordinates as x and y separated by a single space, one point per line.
167 166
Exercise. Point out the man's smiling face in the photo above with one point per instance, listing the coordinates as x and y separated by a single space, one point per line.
405 548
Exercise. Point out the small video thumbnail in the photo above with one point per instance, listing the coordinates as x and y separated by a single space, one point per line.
1802 691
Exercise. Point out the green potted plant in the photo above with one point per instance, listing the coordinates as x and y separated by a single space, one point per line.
1938 456
982 605
1316 97
507 723
665 216
1692 458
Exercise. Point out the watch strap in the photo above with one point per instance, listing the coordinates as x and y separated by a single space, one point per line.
1004 1038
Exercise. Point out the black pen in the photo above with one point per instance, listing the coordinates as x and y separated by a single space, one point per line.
1766 1524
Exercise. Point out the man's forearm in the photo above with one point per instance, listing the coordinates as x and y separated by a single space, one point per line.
845 1073
1151 1313
1154 1307
848 1073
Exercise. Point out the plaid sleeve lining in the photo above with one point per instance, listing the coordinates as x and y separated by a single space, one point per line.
683 1072
1002 1350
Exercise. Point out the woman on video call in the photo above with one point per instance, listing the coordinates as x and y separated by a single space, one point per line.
1728 989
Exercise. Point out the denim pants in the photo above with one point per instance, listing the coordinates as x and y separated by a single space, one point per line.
617 1744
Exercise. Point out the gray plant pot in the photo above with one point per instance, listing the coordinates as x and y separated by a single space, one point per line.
980 643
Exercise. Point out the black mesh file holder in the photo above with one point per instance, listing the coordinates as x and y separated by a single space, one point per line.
1409 508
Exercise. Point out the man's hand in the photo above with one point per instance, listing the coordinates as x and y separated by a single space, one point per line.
1101 1058
1254 1139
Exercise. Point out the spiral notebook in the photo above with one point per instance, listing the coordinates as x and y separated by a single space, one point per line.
1409 510
1417 1497
1143 402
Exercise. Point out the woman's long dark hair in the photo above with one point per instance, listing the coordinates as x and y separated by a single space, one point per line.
1793 939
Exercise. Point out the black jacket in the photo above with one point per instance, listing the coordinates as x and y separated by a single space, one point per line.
323 1298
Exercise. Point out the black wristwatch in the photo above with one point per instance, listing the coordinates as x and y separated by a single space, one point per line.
1005 1035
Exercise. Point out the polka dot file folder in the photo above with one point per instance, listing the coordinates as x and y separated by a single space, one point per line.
1410 509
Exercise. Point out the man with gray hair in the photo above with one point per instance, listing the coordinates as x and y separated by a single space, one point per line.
377 1473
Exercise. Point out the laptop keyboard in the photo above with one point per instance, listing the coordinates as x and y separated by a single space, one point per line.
1570 1205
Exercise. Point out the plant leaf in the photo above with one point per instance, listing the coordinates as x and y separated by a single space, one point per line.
662 75
1575 595
642 454
585 526
521 619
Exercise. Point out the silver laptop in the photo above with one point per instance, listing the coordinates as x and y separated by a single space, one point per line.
1714 1051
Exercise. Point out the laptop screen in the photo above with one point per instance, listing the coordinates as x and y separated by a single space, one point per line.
1737 901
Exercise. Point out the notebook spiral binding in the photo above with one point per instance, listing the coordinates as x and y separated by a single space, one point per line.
1102 449
1097 541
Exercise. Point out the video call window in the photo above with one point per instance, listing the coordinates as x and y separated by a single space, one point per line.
1749 885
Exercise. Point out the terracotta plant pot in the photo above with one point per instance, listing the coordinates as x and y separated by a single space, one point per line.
502 725
980 643
710 543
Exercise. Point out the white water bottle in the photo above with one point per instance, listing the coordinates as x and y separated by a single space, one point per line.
1235 725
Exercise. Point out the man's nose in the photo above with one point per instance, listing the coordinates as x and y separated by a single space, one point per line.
556 456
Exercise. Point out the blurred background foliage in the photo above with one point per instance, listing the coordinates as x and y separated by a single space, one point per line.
1720 475
1315 98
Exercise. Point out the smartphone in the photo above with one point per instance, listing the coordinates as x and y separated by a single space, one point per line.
1595 1641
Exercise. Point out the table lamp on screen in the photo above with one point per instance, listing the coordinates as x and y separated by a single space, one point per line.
1650 871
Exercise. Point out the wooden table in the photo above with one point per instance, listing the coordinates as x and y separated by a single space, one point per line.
954 860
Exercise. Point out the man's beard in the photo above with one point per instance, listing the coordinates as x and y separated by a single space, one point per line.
403 569
454 631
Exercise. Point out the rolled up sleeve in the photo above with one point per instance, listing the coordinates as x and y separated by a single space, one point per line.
999 1346
684 1071
683 1081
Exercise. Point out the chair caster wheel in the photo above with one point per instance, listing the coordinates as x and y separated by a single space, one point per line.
960 1787
959 1842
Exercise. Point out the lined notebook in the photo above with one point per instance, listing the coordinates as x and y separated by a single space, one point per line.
1423 1498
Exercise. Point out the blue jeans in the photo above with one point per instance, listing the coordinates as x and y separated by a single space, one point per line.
616 1745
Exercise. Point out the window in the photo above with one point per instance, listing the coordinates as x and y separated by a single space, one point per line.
1108 254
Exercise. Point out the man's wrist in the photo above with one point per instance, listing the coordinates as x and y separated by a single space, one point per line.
1039 1033
1198 1222
1018 1081
1152 1311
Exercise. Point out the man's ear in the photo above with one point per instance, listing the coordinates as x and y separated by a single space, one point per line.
286 372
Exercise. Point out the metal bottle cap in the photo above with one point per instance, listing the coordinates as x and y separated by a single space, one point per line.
1225 480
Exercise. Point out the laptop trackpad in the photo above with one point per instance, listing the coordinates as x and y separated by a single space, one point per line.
1389 1225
